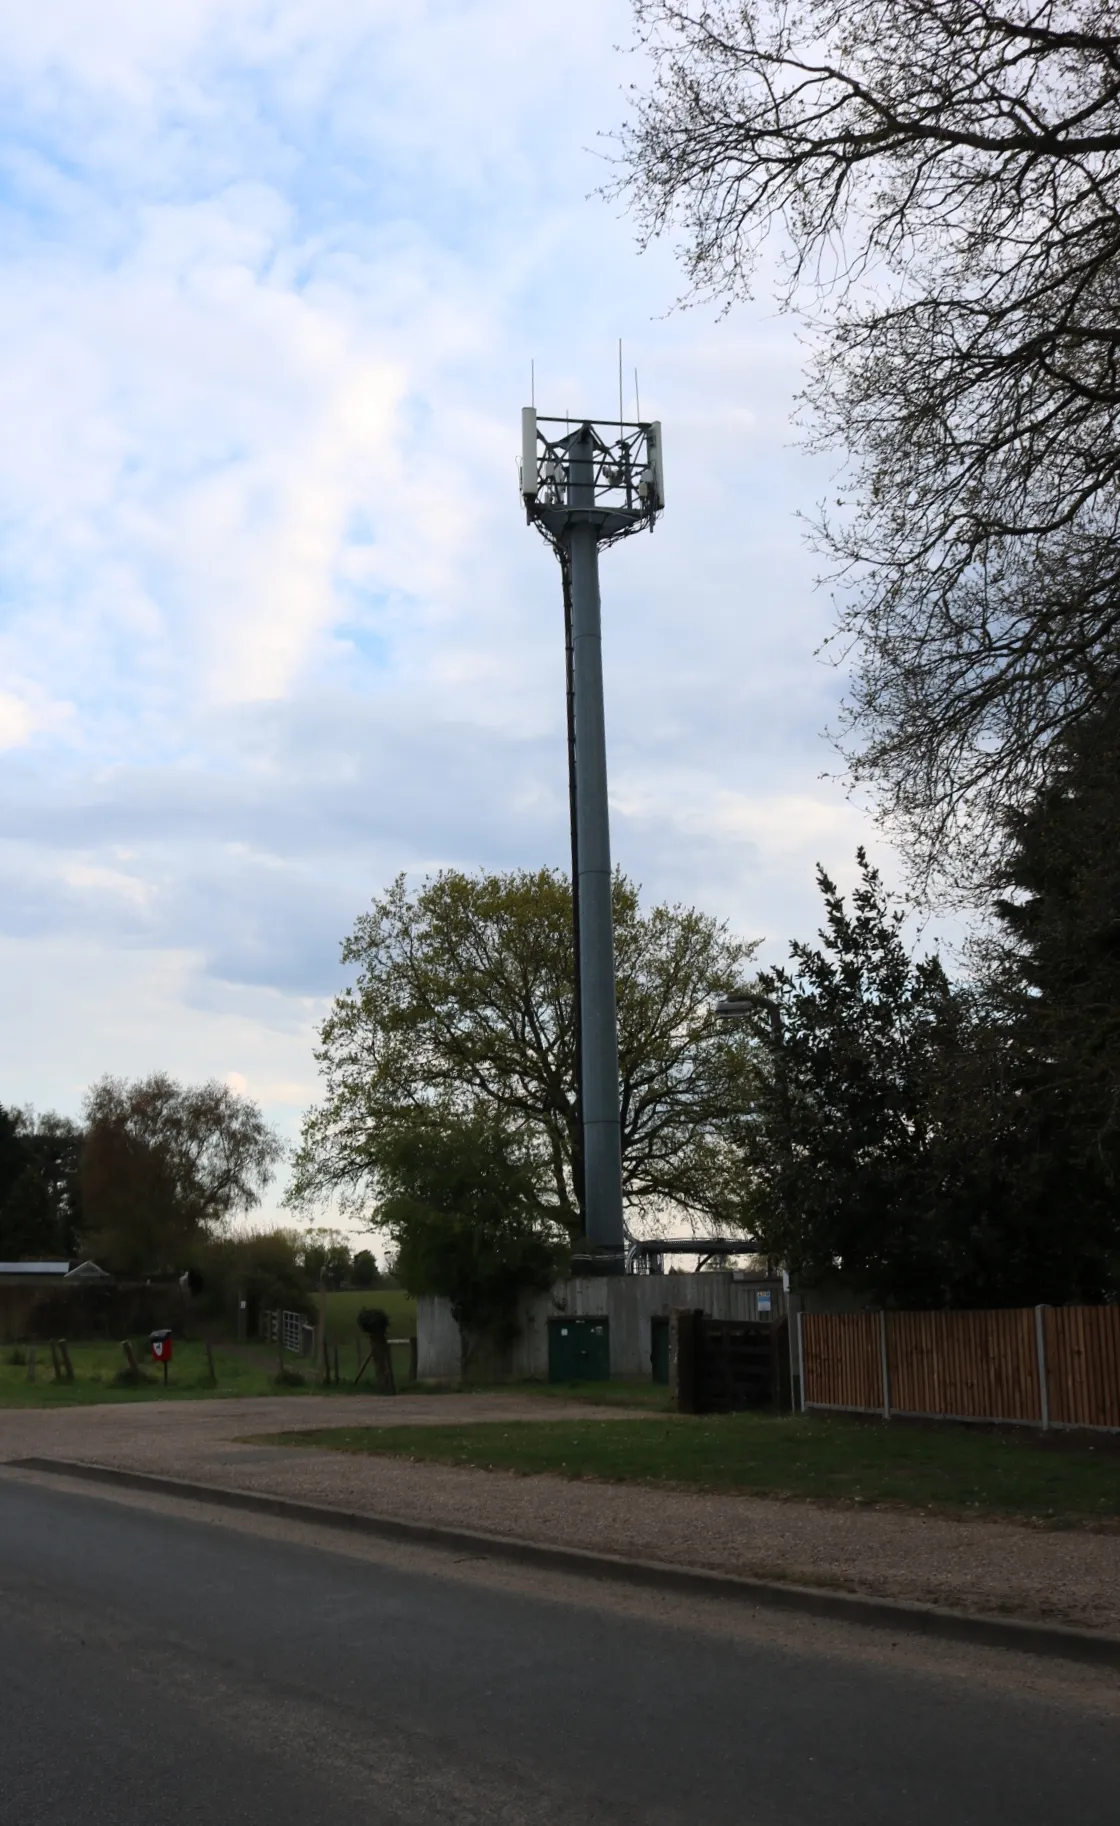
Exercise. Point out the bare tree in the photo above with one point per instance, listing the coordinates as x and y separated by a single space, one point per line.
944 177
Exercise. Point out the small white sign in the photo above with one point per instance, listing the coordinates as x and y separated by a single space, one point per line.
764 1299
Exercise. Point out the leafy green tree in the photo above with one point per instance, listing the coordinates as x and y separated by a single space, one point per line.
1058 959
1054 975
166 1165
461 1203
463 1005
325 1256
12 1156
262 1267
363 1270
40 1206
861 1046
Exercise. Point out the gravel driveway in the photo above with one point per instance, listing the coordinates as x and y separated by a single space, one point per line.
1071 1576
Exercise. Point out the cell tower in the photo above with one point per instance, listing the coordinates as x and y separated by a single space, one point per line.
586 484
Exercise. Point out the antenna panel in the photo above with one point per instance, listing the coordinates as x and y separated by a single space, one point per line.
653 444
528 453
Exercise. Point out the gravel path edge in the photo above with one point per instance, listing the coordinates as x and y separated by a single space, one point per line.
1049 1640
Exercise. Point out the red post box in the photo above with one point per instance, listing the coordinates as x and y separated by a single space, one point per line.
161 1349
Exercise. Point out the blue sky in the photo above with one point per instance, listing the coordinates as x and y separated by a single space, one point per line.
272 627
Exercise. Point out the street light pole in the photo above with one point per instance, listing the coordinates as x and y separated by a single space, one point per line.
584 489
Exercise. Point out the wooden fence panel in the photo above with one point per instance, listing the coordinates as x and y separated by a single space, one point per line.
1083 1365
841 1366
972 1365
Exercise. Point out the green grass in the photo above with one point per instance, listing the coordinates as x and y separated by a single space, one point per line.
343 1310
96 1367
617 1393
652 1397
241 1370
942 1468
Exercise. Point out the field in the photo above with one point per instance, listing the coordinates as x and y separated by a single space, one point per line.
619 1392
343 1310
97 1366
240 1370
955 1469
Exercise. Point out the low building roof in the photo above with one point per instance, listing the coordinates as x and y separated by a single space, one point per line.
34 1268
88 1271
42 1271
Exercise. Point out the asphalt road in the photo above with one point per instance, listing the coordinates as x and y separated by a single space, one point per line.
159 1670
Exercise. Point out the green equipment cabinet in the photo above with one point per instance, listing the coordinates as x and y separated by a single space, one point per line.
579 1350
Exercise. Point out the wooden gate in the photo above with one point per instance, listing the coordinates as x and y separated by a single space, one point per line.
725 1366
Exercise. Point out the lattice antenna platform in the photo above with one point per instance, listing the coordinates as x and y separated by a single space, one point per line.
603 473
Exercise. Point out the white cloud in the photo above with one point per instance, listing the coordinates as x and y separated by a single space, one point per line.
16 721
273 628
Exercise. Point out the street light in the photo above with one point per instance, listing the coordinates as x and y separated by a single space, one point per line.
738 1007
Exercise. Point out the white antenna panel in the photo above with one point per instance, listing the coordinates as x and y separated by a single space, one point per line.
654 445
529 453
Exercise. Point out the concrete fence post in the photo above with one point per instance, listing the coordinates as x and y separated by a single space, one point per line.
793 1339
884 1364
1043 1369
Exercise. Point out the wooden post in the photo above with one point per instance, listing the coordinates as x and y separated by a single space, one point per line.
801 1359
210 1363
130 1356
381 1357
1043 1368
55 1362
31 1363
64 1353
884 1364
336 1375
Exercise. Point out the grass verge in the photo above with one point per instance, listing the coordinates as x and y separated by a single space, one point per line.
99 1375
650 1397
954 1469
